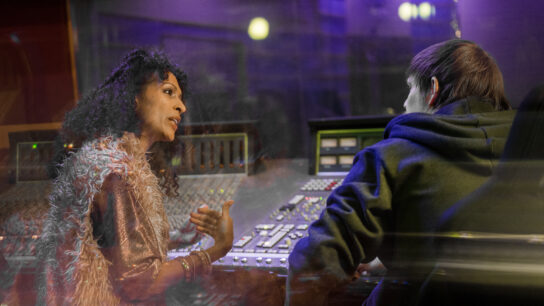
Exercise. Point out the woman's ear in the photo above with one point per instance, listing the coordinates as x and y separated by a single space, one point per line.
137 102
433 92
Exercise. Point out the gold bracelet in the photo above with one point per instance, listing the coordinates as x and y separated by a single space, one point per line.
208 256
194 271
202 264
206 265
184 266
189 276
209 270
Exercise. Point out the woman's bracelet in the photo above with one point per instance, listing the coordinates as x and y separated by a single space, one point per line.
205 260
193 277
209 259
190 268
186 268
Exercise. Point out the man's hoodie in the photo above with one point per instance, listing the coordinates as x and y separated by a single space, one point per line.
397 189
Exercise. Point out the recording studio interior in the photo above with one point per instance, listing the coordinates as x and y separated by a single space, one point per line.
283 102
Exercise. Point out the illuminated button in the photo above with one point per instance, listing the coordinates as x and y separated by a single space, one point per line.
289 226
264 226
274 239
235 258
275 230
244 260
243 241
302 227
283 260
268 260
296 199
279 218
259 259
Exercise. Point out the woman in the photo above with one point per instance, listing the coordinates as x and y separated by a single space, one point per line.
106 235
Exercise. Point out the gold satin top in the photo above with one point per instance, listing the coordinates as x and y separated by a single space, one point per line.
127 239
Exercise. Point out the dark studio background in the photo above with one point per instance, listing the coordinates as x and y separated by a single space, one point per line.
321 59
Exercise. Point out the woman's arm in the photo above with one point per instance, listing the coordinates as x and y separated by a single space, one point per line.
127 239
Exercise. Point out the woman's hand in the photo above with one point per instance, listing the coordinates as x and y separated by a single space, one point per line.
217 225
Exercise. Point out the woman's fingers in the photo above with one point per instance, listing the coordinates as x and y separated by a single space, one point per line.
205 228
206 217
207 211
202 222
213 223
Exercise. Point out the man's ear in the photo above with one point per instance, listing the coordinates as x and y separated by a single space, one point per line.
433 92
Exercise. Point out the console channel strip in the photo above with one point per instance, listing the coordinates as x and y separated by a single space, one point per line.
268 244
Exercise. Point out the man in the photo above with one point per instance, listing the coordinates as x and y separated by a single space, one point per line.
397 189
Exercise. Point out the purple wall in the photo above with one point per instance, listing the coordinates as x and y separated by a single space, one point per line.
513 32
376 18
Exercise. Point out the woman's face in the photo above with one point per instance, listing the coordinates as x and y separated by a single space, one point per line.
159 107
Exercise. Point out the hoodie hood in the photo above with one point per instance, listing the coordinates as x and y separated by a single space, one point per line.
467 130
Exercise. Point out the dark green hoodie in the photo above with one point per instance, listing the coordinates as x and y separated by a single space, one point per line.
396 191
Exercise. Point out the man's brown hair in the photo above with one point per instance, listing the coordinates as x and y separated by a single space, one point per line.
463 69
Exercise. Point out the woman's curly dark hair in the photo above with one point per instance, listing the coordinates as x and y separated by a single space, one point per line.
110 109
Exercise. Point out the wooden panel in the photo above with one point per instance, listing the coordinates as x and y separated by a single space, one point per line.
37 76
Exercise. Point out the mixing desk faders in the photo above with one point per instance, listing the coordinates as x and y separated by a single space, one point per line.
268 244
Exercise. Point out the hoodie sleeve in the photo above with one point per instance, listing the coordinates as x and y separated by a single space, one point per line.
348 232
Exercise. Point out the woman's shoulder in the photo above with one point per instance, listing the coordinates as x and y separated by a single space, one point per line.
99 156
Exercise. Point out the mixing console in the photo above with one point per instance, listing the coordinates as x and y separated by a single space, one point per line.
23 208
268 244
195 191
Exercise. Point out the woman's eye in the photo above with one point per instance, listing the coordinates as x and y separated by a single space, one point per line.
168 91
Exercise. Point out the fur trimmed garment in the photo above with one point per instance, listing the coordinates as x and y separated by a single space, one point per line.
108 179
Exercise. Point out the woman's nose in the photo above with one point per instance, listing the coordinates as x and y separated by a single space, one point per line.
180 107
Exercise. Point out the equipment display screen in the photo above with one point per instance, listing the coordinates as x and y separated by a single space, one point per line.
328 160
348 142
32 159
346 159
329 143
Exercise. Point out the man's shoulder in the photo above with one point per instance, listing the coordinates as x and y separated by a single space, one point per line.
415 122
